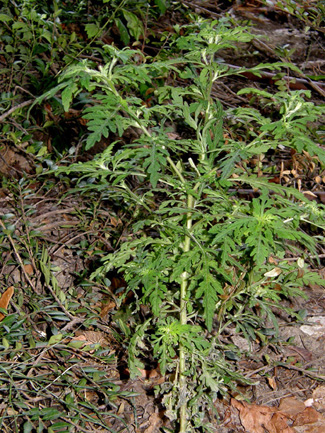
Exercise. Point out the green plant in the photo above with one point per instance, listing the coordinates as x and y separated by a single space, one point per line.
197 256
38 39
293 127
32 40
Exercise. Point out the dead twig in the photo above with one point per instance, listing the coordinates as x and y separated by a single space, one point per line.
301 370
16 107
294 83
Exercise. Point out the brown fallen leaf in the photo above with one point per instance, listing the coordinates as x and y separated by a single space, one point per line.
290 406
155 422
91 396
115 221
106 308
308 416
29 269
257 419
272 382
279 422
91 337
5 299
150 374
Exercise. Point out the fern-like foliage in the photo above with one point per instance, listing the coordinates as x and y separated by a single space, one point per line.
196 255
296 115
260 227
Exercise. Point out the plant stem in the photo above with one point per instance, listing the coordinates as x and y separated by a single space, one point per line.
183 321
183 291
183 312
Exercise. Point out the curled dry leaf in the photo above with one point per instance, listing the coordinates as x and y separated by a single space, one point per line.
272 382
273 273
257 419
5 299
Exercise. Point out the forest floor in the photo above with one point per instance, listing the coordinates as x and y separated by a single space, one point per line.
287 393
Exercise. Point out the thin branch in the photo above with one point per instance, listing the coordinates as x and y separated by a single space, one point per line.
16 107
294 83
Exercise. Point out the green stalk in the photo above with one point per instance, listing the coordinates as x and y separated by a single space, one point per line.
183 291
183 321
183 311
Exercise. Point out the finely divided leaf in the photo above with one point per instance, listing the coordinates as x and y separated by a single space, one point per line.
209 288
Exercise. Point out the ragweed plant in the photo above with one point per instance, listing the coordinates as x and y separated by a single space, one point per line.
196 255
